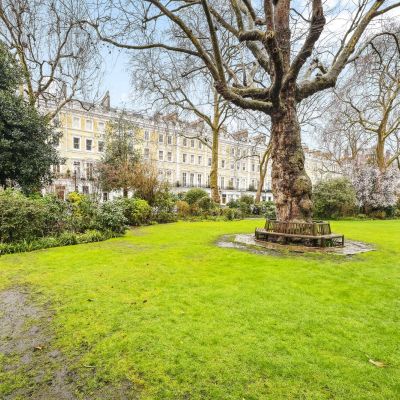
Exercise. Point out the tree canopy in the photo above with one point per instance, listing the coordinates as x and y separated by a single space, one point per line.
26 139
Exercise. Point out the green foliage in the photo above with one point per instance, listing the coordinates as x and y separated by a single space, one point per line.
266 209
182 208
164 206
136 211
247 199
377 214
334 198
111 217
83 212
64 239
26 219
117 169
197 204
10 72
232 213
206 204
245 204
192 196
26 138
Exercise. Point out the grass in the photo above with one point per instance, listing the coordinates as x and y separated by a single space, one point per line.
180 318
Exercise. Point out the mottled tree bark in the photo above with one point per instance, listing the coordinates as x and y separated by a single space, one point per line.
291 185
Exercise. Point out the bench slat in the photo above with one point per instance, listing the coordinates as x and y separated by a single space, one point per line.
327 236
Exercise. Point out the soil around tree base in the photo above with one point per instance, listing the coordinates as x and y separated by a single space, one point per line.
248 242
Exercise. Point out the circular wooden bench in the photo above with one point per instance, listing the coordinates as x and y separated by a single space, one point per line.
316 233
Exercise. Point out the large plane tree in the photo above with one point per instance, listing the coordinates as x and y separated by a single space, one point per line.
286 44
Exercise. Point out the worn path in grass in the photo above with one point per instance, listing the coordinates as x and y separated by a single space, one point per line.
32 367
165 314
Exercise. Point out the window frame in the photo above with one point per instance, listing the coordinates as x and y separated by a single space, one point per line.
79 142
88 140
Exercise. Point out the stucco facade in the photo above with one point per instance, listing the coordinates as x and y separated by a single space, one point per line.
181 158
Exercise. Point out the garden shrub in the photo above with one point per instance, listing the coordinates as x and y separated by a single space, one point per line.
232 213
205 204
182 209
136 211
25 218
192 196
378 214
55 214
269 209
111 217
164 207
247 199
36 222
66 239
83 212
334 198
245 204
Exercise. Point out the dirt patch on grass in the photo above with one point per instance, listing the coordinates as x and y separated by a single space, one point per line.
30 366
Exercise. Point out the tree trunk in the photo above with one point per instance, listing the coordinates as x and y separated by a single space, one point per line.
263 172
291 185
260 186
380 154
214 168
125 193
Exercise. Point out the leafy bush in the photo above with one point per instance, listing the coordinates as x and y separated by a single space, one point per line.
245 204
247 199
192 196
111 217
378 214
36 222
136 211
182 208
232 213
206 204
334 198
25 218
164 207
83 212
63 240
233 203
269 209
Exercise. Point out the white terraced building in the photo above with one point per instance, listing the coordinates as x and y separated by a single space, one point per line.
182 160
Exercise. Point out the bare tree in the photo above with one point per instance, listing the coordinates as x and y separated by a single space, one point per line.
255 127
59 60
273 37
171 83
342 140
370 97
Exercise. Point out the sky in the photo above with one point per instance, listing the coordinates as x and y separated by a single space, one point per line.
116 69
116 77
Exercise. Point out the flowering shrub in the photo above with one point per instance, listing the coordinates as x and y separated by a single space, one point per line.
375 190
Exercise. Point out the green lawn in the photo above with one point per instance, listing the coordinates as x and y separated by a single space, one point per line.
184 319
